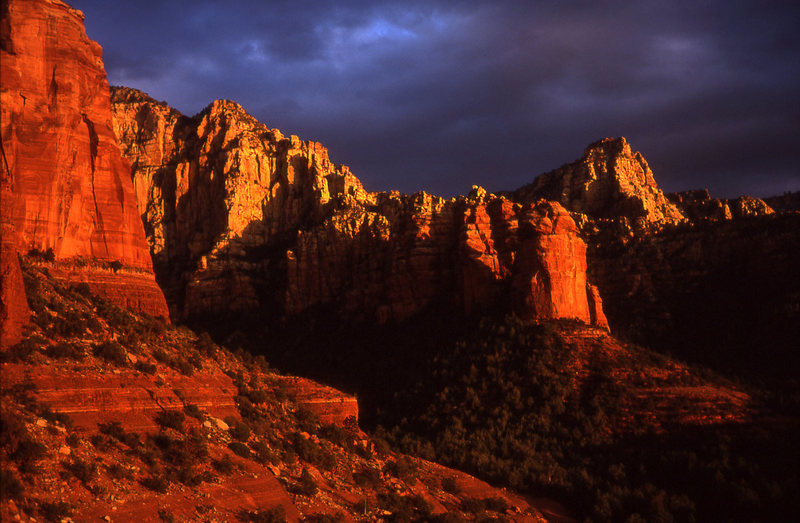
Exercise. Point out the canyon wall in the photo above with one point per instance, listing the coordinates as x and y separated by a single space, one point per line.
240 217
707 279
14 312
72 186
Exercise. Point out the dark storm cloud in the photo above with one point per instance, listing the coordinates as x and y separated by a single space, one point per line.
441 95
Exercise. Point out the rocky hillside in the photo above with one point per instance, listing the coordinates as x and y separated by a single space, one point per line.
116 415
67 190
707 279
240 217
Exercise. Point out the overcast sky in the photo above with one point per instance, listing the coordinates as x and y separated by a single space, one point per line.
443 95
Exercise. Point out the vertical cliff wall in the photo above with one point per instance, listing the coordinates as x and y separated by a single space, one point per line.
14 312
72 185
240 217
706 278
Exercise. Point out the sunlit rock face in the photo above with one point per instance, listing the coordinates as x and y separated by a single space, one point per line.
14 312
72 185
241 217
609 181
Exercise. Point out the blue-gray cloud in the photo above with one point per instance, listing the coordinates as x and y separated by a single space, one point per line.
441 95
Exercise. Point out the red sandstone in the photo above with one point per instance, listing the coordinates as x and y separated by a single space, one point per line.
60 154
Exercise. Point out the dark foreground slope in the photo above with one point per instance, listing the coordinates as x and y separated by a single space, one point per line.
106 413
623 433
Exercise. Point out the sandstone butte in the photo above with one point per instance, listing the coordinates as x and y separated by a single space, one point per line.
612 188
240 217
668 265
70 186
609 181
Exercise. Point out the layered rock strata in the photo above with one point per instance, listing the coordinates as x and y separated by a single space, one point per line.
72 185
240 217
14 312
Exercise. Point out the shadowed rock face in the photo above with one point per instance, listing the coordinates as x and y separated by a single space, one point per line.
699 206
240 217
73 188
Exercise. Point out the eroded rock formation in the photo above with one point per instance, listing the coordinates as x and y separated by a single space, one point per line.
609 181
72 185
698 206
240 217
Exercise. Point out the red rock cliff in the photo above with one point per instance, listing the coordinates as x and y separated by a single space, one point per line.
72 185
14 312
240 217
610 181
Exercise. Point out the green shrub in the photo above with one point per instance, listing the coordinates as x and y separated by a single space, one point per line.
112 352
324 518
118 471
240 431
82 289
308 421
83 470
172 419
257 395
27 454
24 349
405 508
206 345
312 452
156 483
194 411
224 466
264 454
449 485
335 434
307 486
403 468
52 416
55 511
73 440
144 367
10 485
64 350
102 442
240 449
367 477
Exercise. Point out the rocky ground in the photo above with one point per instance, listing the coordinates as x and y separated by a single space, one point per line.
117 416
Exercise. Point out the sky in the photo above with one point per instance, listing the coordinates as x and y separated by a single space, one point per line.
441 95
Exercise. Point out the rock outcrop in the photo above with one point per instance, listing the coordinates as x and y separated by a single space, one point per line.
240 217
698 206
609 181
786 202
72 185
